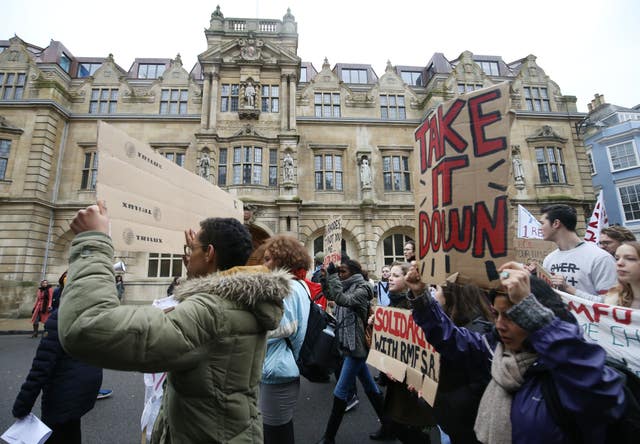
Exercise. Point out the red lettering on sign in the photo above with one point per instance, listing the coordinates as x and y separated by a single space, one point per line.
445 170
448 134
481 145
492 233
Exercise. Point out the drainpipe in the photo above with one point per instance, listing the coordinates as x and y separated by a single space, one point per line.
54 198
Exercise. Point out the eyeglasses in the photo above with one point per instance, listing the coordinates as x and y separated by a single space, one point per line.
189 249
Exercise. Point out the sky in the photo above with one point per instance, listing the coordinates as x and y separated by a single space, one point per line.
585 46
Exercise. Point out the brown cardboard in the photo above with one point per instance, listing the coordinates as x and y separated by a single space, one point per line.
462 191
398 347
151 200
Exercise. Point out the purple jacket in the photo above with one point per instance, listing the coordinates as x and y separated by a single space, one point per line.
588 389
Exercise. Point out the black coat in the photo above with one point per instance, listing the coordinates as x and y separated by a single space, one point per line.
69 387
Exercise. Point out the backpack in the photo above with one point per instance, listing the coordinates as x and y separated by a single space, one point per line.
624 430
319 354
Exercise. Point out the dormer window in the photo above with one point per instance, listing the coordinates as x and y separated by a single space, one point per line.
354 75
88 69
490 68
150 70
65 62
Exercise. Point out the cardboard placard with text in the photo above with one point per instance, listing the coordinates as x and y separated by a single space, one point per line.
150 199
462 191
398 347
332 242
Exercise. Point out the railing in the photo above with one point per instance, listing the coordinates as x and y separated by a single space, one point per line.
268 26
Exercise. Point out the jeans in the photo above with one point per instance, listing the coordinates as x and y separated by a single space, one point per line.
352 367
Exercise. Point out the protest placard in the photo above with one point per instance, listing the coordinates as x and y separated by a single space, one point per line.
150 199
616 329
462 207
332 242
398 347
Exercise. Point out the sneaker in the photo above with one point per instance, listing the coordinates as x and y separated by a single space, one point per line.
104 393
353 402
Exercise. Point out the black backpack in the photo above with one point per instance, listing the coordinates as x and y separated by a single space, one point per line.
319 355
625 430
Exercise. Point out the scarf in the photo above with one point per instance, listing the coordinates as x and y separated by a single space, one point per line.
346 318
397 298
493 423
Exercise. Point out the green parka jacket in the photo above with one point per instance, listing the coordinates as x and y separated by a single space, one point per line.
212 344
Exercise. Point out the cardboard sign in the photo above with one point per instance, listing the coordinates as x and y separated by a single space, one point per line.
616 329
333 241
462 207
532 250
398 347
150 199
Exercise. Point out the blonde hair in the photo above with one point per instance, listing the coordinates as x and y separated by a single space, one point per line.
626 296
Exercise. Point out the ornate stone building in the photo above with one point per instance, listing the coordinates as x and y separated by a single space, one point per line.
297 145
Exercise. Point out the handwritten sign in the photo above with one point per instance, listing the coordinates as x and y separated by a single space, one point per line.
332 243
616 329
398 347
151 200
462 197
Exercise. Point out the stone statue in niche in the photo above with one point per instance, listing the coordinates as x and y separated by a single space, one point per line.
204 166
365 173
250 95
518 168
287 168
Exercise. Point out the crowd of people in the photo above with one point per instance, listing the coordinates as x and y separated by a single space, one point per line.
230 343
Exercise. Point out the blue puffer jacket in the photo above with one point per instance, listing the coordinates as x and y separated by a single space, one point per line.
280 360
69 387
593 393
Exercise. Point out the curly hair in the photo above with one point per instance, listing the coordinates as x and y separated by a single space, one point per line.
288 252
619 233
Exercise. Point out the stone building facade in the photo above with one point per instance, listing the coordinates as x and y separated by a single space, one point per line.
297 145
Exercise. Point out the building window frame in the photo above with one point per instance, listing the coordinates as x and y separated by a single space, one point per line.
328 168
270 98
273 167
393 247
5 154
164 265
12 85
223 168
537 98
176 156
229 97
65 62
174 101
392 107
467 87
304 74
630 157
89 173
411 78
150 70
592 165
247 164
490 68
103 100
354 75
630 210
551 165
87 69
396 173
327 104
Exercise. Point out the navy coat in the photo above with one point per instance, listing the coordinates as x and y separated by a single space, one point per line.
592 392
69 387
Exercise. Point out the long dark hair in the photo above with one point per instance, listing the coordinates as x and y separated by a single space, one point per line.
464 303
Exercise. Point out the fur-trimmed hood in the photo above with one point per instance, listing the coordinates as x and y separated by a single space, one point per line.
250 286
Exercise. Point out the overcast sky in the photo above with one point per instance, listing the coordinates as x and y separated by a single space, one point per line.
585 46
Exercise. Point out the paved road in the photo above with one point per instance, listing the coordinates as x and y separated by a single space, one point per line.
116 419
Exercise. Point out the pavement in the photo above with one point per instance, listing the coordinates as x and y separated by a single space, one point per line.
16 326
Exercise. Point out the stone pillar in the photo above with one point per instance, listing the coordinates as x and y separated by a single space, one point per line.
213 102
292 102
206 104
284 105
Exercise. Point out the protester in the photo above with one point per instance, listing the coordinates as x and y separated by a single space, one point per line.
627 292
57 293
577 267
120 287
280 384
405 416
212 343
537 338
318 259
382 287
172 285
352 294
68 386
409 251
612 237
42 307
460 390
